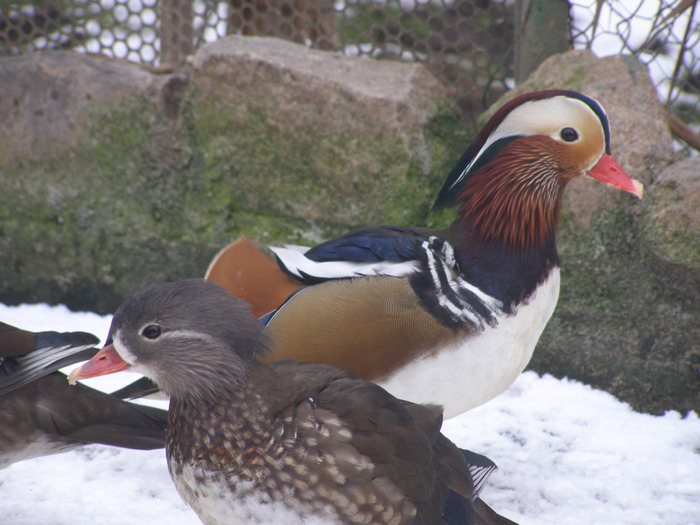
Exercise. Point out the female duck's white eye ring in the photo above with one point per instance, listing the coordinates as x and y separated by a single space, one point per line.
151 331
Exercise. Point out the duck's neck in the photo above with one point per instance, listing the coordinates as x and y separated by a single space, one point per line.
510 204
504 236
508 273
238 425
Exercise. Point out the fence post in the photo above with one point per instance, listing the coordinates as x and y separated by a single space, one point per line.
176 31
541 30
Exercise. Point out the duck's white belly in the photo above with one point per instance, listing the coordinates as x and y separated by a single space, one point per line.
217 503
480 367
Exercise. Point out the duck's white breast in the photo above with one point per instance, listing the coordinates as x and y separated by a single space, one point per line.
217 502
478 368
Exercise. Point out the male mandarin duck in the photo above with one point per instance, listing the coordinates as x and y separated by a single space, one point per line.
442 316
287 442
40 414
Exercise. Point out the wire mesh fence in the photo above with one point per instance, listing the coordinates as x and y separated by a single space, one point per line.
468 44
665 35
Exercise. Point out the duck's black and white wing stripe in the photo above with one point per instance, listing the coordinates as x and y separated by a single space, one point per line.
53 350
384 250
446 294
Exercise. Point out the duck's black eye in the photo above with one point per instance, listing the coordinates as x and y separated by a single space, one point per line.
152 331
569 134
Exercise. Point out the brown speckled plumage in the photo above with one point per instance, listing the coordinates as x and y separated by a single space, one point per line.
287 442
322 440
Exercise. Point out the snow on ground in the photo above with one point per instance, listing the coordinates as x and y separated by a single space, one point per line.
568 454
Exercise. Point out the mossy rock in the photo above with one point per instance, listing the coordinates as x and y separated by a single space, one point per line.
626 320
115 177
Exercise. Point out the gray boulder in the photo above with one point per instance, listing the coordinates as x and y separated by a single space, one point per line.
671 227
628 318
113 177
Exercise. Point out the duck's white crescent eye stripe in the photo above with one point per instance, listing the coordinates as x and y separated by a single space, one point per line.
124 352
186 334
122 349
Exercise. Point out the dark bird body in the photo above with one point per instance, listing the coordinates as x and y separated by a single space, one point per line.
288 442
40 414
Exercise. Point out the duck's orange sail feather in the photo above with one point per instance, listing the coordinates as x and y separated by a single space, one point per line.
246 272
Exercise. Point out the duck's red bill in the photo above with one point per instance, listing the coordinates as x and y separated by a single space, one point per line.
609 171
106 361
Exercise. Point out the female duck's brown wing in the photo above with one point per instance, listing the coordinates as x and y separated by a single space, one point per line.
402 440
48 416
41 414
26 356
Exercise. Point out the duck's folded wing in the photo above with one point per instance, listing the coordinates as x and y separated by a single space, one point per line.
28 356
384 250
83 414
48 416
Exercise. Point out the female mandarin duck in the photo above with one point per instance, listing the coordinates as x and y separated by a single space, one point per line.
442 316
40 414
287 442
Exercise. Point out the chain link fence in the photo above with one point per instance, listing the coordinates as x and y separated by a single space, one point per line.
663 34
468 44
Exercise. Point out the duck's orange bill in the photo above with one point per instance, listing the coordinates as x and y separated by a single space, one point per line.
106 361
609 171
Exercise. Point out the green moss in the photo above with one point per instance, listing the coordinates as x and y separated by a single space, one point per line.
86 214
619 324
314 184
668 231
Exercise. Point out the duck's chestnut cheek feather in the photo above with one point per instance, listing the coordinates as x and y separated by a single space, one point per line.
106 361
